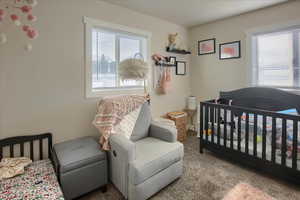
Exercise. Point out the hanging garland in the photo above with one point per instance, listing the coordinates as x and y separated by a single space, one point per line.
19 12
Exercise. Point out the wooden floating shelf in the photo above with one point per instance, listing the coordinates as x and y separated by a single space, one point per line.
178 51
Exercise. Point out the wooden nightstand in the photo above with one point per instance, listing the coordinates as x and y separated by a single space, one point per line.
180 119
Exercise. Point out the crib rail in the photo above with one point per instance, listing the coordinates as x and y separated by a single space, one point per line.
17 145
220 122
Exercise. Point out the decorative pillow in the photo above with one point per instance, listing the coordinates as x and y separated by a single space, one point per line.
127 124
10 167
141 128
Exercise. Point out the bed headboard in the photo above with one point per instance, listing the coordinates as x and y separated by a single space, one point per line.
263 98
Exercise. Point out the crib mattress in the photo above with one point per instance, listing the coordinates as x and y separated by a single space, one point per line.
38 182
258 150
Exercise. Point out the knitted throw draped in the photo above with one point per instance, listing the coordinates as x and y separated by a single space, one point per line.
110 111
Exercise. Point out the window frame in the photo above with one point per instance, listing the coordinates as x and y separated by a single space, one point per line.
251 58
89 24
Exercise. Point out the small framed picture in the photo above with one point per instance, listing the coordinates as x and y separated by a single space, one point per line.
172 60
207 46
230 50
180 68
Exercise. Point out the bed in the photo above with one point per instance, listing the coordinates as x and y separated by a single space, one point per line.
258 127
39 180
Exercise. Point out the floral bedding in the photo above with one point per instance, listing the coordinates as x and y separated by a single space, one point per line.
38 182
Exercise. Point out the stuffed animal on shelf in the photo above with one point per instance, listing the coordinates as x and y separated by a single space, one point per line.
172 41
175 43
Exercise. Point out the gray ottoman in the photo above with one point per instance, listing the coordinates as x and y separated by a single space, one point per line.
81 166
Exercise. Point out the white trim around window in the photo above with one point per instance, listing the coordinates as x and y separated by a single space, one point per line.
250 53
89 24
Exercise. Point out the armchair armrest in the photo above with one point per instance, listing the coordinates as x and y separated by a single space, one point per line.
122 153
163 132
121 146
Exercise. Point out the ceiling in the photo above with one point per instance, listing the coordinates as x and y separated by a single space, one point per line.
194 12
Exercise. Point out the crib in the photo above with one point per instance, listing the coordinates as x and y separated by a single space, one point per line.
257 127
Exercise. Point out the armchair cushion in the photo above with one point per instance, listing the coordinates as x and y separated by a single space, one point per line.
152 156
141 128
163 132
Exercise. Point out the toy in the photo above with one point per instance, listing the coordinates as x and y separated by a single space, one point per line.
172 41
209 132
258 139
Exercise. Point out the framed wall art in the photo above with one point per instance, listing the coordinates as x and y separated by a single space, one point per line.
207 46
180 68
230 50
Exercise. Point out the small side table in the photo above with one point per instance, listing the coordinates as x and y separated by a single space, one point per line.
191 126
180 123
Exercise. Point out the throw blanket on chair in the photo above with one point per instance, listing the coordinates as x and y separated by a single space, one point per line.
110 111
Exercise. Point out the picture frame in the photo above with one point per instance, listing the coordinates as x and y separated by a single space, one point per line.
230 50
172 60
207 46
180 68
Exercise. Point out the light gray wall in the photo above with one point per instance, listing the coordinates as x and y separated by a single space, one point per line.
209 74
43 90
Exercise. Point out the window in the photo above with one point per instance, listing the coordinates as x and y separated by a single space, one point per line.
275 58
106 46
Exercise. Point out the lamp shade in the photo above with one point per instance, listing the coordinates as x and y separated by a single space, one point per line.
133 69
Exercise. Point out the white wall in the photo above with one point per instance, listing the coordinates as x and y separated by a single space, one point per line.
44 90
209 74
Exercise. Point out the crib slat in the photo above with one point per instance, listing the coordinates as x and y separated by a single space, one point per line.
264 132
201 128
22 149
218 125
225 128
41 148
255 136
206 122
247 134
239 133
231 129
283 143
11 150
273 140
212 121
50 143
295 144
31 150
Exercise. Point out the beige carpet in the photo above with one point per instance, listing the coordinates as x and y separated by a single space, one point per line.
207 177
244 191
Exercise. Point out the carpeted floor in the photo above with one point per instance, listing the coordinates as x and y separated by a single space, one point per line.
207 177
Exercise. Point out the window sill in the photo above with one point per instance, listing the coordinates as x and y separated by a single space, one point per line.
98 93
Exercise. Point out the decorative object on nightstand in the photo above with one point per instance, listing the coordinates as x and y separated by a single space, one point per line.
180 119
191 110
190 116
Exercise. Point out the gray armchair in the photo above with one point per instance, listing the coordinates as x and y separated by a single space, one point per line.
148 161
